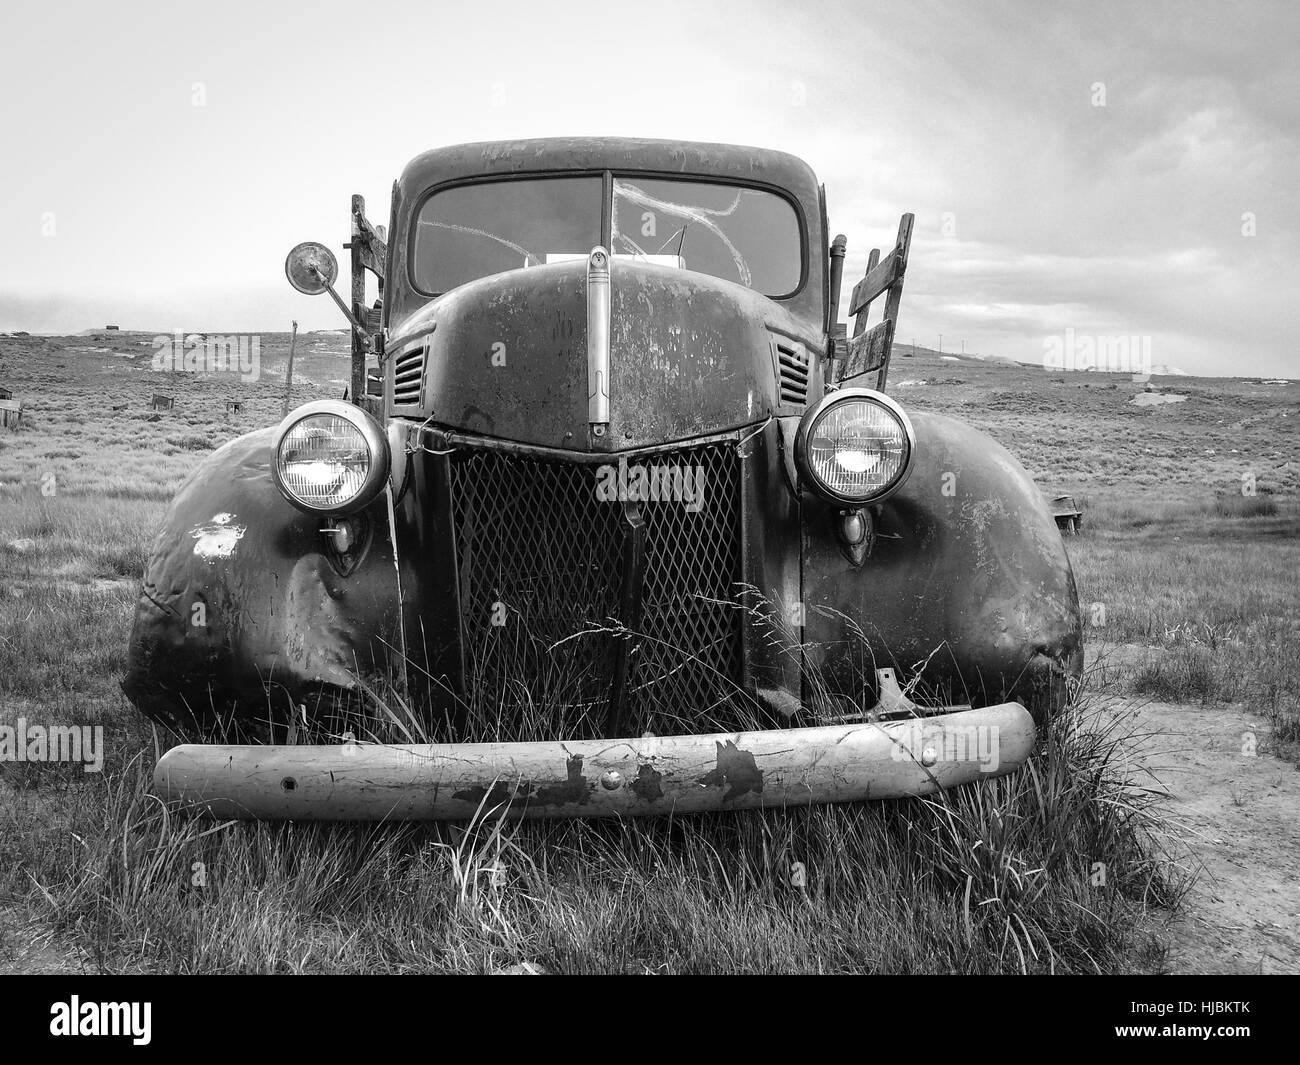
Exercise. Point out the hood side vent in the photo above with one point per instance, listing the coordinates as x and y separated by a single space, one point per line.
408 376
792 371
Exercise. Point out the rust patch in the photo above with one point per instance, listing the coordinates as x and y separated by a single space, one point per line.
648 786
574 789
501 794
737 770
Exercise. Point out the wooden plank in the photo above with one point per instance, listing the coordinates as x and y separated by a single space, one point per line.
901 249
374 251
11 404
599 778
860 316
883 274
867 350
859 322
876 280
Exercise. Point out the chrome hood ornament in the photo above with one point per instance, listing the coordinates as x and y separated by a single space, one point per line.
598 310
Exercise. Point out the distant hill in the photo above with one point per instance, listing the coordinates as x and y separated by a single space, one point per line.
1083 432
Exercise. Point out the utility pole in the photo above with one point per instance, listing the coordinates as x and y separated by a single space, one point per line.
940 343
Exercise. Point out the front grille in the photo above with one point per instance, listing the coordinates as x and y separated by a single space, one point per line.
541 564
408 376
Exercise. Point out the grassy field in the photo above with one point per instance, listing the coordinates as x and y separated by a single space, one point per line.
1085 432
88 422
1189 594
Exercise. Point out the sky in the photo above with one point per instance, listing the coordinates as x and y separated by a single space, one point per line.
1078 170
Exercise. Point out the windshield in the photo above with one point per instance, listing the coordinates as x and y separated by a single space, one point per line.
738 234
471 231
747 236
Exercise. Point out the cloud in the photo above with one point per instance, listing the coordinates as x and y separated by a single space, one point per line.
1126 217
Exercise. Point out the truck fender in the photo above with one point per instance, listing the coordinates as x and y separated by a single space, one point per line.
967 590
245 611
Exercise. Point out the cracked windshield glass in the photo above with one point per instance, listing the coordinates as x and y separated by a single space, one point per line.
746 236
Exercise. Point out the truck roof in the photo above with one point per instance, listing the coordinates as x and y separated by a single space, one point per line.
483 158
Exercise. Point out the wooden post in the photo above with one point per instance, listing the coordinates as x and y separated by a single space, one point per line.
288 377
356 249
11 413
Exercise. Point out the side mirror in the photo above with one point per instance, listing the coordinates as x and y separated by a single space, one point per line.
311 268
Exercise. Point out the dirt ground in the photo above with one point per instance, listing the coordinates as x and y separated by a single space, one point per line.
1238 813
28 948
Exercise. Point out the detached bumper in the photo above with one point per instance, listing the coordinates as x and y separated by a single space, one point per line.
599 778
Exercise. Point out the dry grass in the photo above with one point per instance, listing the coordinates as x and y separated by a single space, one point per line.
1054 869
1049 871
1208 589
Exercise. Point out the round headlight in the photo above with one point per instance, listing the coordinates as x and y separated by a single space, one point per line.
855 446
330 458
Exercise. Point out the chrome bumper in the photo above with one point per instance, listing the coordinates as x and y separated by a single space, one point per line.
599 778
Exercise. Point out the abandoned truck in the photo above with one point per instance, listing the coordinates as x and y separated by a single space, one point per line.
619 521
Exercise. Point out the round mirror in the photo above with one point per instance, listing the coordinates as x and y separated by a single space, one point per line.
311 268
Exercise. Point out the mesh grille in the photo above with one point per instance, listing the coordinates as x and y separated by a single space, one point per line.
689 663
538 550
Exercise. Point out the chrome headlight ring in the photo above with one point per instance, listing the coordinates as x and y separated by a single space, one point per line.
329 457
856 447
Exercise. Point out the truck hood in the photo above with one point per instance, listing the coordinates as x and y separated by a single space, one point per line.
506 356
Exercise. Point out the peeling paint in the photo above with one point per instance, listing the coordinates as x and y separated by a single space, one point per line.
648 786
983 515
574 789
498 795
737 770
217 538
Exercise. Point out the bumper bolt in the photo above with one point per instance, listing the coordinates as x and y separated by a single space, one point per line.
611 780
